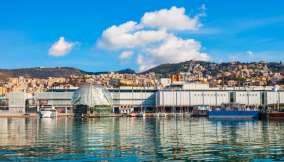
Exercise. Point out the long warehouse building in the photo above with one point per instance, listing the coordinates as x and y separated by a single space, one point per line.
128 99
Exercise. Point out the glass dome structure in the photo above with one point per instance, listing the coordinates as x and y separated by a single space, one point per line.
92 96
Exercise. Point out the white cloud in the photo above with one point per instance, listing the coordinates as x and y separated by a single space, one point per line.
171 19
60 47
129 35
144 63
249 53
153 38
172 50
125 55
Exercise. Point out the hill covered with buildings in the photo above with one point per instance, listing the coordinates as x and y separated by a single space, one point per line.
228 74
42 72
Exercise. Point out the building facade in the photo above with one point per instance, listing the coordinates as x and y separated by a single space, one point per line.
181 97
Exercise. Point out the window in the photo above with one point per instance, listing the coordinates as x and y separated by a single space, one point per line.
232 97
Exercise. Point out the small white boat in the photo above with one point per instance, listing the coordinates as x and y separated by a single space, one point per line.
47 113
188 114
136 114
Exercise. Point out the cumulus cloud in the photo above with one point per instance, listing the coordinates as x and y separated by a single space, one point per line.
129 35
125 55
155 38
171 19
61 47
172 50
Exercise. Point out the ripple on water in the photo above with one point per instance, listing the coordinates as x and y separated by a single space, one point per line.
140 139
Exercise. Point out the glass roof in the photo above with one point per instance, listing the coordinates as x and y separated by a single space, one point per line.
92 95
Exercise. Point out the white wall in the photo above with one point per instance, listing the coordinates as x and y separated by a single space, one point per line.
196 98
281 97
248 97
183 98
133 98
210 98
272 98
223 97
17 102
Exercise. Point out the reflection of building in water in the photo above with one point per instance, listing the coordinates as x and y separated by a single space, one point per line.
29 131
185 136
141 138
190 137
168 137
117 136
96 134
18 131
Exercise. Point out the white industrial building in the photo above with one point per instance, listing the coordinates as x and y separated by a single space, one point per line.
137 99
129 99
184 98
60 101
17 102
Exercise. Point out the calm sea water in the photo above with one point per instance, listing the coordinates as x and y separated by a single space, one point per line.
140 139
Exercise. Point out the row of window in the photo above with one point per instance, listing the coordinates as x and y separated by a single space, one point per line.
221 95
248 95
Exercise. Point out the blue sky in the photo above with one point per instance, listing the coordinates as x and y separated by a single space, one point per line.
229 30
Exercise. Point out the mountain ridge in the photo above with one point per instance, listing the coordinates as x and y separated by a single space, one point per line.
211 67
45 72
163 70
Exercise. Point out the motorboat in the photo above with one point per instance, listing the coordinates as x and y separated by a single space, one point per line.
47 113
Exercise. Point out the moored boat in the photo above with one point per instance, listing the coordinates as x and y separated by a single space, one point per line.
133 114
200 111
274 115
233 114
47 113
234 111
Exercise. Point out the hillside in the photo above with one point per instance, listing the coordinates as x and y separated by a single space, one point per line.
124 71
38 72
168 69
4 74
230 73
41 72
212 68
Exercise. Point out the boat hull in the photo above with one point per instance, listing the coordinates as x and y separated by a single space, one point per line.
276 115
47 114
199 113
136 114
234 114
273 115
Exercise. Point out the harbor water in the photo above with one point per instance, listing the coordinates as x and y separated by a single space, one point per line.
140 139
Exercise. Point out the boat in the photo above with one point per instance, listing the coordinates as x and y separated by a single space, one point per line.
188 114
274 115
47 113
133 114
200 111
233 113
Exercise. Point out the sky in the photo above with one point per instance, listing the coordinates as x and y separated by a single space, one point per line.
112 35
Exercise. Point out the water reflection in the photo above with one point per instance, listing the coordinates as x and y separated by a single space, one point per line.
135 139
